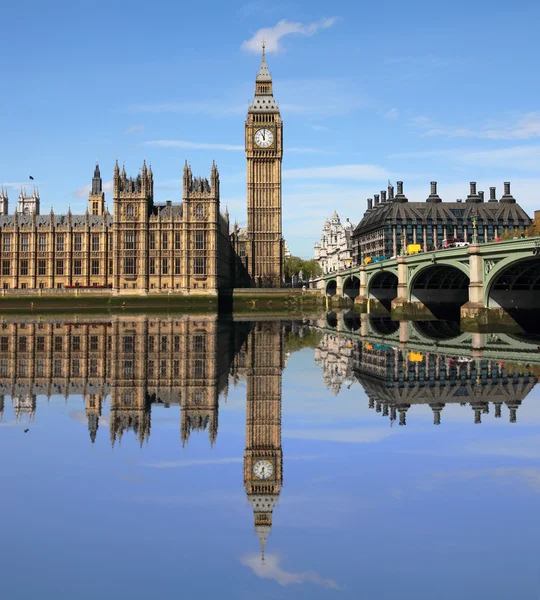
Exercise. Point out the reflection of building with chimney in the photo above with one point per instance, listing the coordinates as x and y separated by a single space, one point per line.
135 361
264 363
395 379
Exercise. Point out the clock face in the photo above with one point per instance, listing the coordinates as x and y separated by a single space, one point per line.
263 469
264 138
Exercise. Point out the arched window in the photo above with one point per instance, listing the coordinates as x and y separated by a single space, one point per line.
129 210
199 210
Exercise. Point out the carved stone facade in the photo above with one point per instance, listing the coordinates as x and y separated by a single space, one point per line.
260 247
141 248
335 250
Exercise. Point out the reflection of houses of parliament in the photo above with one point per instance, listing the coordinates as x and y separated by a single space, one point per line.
138 361
396 379
135 361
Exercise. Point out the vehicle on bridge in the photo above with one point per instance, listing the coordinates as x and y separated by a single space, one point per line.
374 259
453 243
414 248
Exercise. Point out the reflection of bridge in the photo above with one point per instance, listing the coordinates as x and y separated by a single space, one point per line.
488 282
430 363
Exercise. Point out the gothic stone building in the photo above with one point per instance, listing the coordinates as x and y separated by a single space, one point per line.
392 221
147 248
335 250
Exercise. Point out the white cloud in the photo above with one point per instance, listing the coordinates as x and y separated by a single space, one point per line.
273 35
17 185
216 108
393 113
306 151
354 435
134 128
513 157
354 172
192 145
178 464
316 127
271 569
530 476
525 127
84 190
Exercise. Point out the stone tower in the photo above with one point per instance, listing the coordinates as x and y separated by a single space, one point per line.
27 205
264 151
133 200
201 218
96 199
263 455
4 201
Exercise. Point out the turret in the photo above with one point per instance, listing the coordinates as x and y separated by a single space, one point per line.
96 199
4 202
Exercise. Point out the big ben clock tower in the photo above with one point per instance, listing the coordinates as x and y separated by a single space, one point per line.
263 455
264 151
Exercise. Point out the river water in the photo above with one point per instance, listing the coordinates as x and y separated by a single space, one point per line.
161 456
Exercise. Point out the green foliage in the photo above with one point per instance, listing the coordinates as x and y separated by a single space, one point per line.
295 264
310 339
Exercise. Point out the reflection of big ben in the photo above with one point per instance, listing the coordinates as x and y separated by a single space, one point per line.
264 151
263 455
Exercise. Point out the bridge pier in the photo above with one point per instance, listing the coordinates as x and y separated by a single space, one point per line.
402 307
361 300
474 309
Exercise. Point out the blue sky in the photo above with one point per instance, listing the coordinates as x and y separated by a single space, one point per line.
368 92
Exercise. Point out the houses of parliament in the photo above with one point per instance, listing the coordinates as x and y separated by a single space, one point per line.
147 248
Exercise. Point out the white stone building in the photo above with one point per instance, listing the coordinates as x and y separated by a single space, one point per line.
334 252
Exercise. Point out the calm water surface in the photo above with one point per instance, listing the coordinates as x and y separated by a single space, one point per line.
190 457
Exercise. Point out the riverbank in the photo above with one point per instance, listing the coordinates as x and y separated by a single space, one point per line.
240 300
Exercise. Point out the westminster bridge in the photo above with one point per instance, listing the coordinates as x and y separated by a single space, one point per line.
426 363
495 282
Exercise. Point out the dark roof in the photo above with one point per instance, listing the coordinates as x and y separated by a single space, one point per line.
166 211
391 212
76 220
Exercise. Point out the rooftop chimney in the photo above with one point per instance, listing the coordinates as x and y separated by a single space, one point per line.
492 196
433 196
473 196
383 196
376 196
507 196
390 191
369 203
400 196
481 194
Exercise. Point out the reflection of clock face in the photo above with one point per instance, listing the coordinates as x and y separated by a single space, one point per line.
263 469
264 138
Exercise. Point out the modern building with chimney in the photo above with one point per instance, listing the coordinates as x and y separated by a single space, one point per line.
391 222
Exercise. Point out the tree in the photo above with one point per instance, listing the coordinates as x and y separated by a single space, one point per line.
311 269
295 264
